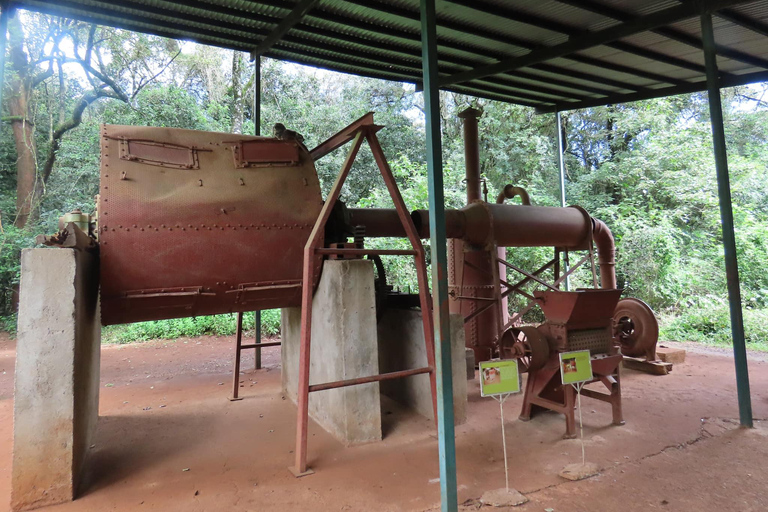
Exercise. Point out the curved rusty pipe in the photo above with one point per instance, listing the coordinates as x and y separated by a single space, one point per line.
606 253
511 191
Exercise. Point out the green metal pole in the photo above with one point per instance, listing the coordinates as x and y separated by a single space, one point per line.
561 163
257 131
4 13
445 426
726 215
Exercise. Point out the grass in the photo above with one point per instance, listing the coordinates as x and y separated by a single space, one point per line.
711 326
218 325
708 325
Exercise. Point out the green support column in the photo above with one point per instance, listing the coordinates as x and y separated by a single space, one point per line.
4 13
726 215
561 164
445 426
257 131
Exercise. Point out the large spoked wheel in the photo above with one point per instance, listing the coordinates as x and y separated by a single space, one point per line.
636 328
527 345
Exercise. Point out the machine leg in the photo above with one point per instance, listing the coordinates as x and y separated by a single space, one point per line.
302 401
238 350
618 415
570 412
257 328
525 414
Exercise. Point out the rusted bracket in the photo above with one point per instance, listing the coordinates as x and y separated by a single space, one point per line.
71 237
342 137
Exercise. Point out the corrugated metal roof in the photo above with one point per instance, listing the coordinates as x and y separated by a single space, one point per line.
382 39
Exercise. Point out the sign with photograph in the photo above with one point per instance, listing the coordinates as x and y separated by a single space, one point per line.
575 366
499 377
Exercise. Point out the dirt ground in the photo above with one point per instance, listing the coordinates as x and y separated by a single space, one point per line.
169 440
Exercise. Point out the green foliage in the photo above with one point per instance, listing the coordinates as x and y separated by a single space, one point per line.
217 325
645 168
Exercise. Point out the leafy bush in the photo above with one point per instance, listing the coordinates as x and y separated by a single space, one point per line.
217 325
711 324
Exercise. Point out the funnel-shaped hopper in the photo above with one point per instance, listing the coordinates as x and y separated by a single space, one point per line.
582 308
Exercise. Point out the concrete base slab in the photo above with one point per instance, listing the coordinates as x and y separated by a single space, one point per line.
298 474
652 367
671 355
503 498
57 375
579 471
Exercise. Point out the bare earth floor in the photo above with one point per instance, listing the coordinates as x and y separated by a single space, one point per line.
169 440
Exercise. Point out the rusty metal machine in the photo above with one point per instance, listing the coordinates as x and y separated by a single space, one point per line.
579 320
192 223
196 223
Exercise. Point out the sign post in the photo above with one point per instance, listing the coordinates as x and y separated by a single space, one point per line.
576 370
499 379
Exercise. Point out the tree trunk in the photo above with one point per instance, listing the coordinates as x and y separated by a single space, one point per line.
27 188
236 107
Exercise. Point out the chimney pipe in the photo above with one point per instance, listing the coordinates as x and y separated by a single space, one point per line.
472 153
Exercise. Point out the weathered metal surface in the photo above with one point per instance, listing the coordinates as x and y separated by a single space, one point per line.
636 328
581 320
206 239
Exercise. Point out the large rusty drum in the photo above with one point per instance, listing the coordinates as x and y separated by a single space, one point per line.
197 223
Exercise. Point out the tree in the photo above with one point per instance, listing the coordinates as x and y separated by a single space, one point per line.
115 64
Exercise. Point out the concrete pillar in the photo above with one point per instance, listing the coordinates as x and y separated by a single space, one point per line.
343 347
401 347
56 401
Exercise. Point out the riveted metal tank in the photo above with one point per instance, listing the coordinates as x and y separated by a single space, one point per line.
197 223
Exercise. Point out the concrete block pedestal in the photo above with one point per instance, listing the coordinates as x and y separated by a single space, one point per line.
56 397
343 347
401 347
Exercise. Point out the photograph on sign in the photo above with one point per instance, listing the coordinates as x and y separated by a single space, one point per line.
499 377
575 367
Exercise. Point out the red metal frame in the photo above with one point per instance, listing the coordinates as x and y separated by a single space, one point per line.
357 132
239 347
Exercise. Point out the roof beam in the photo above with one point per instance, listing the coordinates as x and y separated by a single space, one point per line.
743 21
672 33
282 28
726 81
636 25
571 31
397 69
498 38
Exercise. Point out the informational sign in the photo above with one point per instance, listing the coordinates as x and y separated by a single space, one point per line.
499 377
575 367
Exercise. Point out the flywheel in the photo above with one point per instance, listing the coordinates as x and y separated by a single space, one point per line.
527 345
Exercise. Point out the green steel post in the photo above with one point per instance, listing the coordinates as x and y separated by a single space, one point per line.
4 12
726 215
257 131
561 163
257 95
445 427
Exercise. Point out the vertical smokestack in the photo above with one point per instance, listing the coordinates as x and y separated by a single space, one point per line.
472 152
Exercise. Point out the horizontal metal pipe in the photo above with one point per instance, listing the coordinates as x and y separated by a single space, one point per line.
484 224
372 378
378 222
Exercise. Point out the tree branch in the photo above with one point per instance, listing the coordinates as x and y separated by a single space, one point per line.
73 122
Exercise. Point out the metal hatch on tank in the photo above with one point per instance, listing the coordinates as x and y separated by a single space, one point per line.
198 223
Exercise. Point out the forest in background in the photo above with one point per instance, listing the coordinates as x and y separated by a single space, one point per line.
645 168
